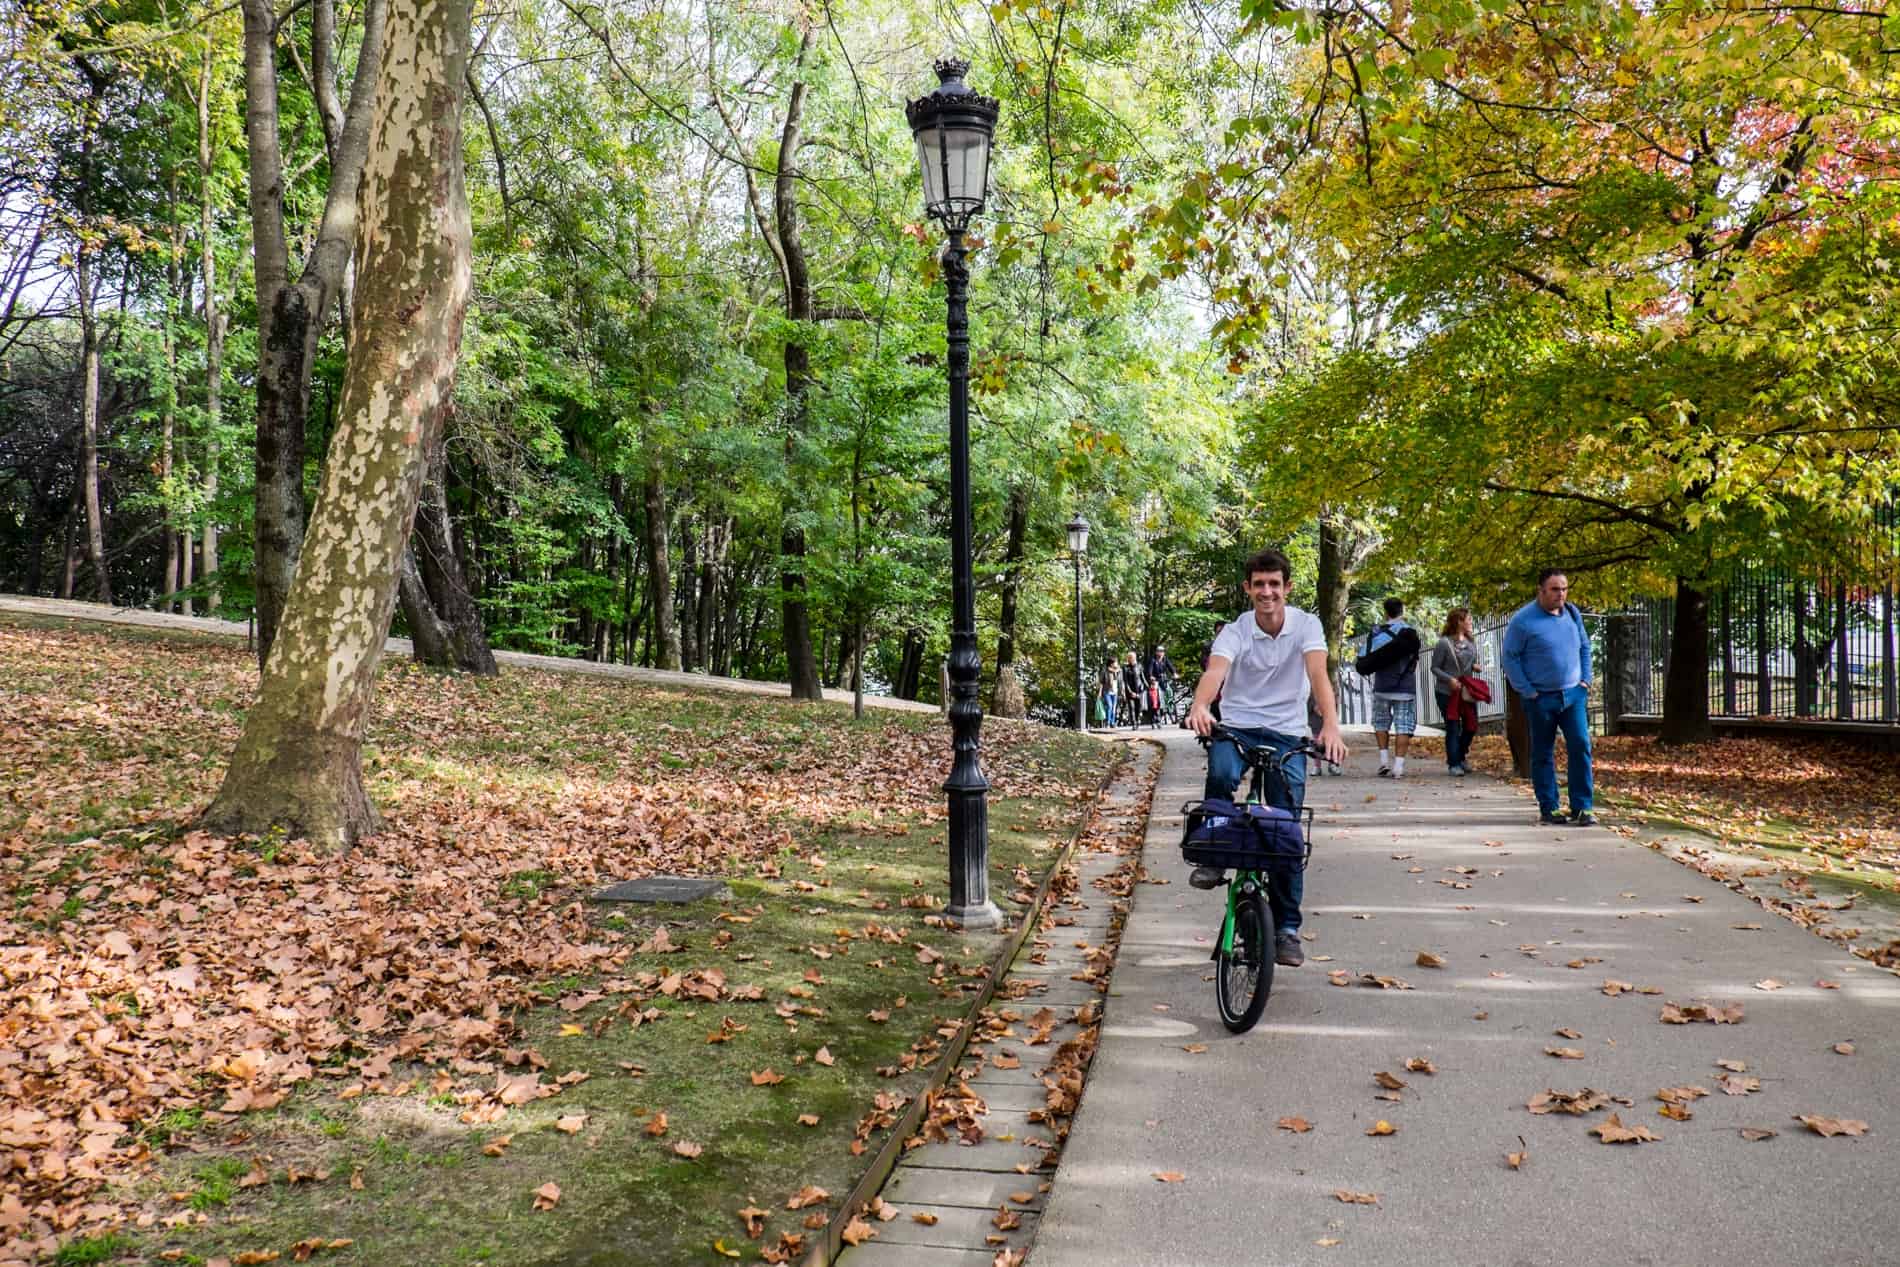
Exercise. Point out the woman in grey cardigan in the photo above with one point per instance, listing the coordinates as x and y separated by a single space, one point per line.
1455 656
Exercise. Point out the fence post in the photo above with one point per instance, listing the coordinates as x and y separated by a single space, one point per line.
1764 684
1889 688
1802 691
1625 670
1728 656
1843 684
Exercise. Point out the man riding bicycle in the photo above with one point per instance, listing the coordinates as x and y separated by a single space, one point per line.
1263 667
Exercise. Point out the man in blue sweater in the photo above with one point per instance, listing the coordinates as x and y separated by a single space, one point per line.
1547 659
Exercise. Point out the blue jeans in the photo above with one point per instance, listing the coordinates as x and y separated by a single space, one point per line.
1548 713
1457 738
1225 770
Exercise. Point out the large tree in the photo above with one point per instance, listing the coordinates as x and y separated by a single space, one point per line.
297 764
291 314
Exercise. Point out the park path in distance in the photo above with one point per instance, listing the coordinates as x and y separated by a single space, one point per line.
1383 887
72 609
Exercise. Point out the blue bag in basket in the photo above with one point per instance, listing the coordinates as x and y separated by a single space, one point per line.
1270 835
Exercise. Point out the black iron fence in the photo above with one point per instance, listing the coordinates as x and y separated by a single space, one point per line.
1790 646
1780 646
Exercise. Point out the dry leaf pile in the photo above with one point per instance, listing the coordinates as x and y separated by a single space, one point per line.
145 970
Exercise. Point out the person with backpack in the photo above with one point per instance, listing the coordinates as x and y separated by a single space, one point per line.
1391 661
1547 659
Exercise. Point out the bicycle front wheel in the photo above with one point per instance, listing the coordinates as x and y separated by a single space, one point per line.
1243 977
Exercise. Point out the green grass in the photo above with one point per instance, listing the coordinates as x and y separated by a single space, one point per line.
93 1249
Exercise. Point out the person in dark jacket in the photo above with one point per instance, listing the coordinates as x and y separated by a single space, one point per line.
1134 690
1394 689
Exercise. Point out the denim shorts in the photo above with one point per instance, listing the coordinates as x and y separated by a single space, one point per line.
1399 716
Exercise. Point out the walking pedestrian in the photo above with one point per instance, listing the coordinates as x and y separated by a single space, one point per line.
1160 680
1106 681
1547 659
1134 690
1455 656
1391 658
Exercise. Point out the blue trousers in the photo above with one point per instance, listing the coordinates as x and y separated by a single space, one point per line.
1548 713
1225 770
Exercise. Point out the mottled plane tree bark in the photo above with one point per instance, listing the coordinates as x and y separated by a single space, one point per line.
291 315
298 763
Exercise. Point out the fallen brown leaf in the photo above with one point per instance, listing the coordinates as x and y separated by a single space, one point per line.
1831 1126
1298 1125
547 1196
1612 1131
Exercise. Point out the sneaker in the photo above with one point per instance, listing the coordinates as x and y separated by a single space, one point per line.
1459 772
1553 820
1207 877
1584 818
1332 768
1287 952
1385 771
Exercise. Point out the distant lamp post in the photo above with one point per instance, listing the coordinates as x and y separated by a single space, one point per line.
1078 546
953 127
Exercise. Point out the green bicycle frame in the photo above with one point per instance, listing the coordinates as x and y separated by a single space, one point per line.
1244 881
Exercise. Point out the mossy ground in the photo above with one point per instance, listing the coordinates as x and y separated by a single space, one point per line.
408 1182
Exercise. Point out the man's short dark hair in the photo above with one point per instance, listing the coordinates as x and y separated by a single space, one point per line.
1547 573
1268 560
1394 608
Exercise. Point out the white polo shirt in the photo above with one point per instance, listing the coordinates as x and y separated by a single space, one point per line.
1266 682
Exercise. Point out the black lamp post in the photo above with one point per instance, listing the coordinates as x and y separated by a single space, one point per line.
953 127
1078 528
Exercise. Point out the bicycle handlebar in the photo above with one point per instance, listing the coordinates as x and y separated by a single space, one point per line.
1259 754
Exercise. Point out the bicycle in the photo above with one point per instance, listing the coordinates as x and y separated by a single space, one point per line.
1254 840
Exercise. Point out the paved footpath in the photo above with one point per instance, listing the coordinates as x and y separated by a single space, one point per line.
1381 889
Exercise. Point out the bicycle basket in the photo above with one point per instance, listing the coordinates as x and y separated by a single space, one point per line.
1219 833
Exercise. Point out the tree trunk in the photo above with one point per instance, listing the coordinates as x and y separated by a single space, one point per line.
89 389
214 331
801 666
712 565
910 665
666 627
1686 687
428 633
464 643
1333 584
186 555
70 571
688 599
1517 731
298 763
1012 579
291 316
174 276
